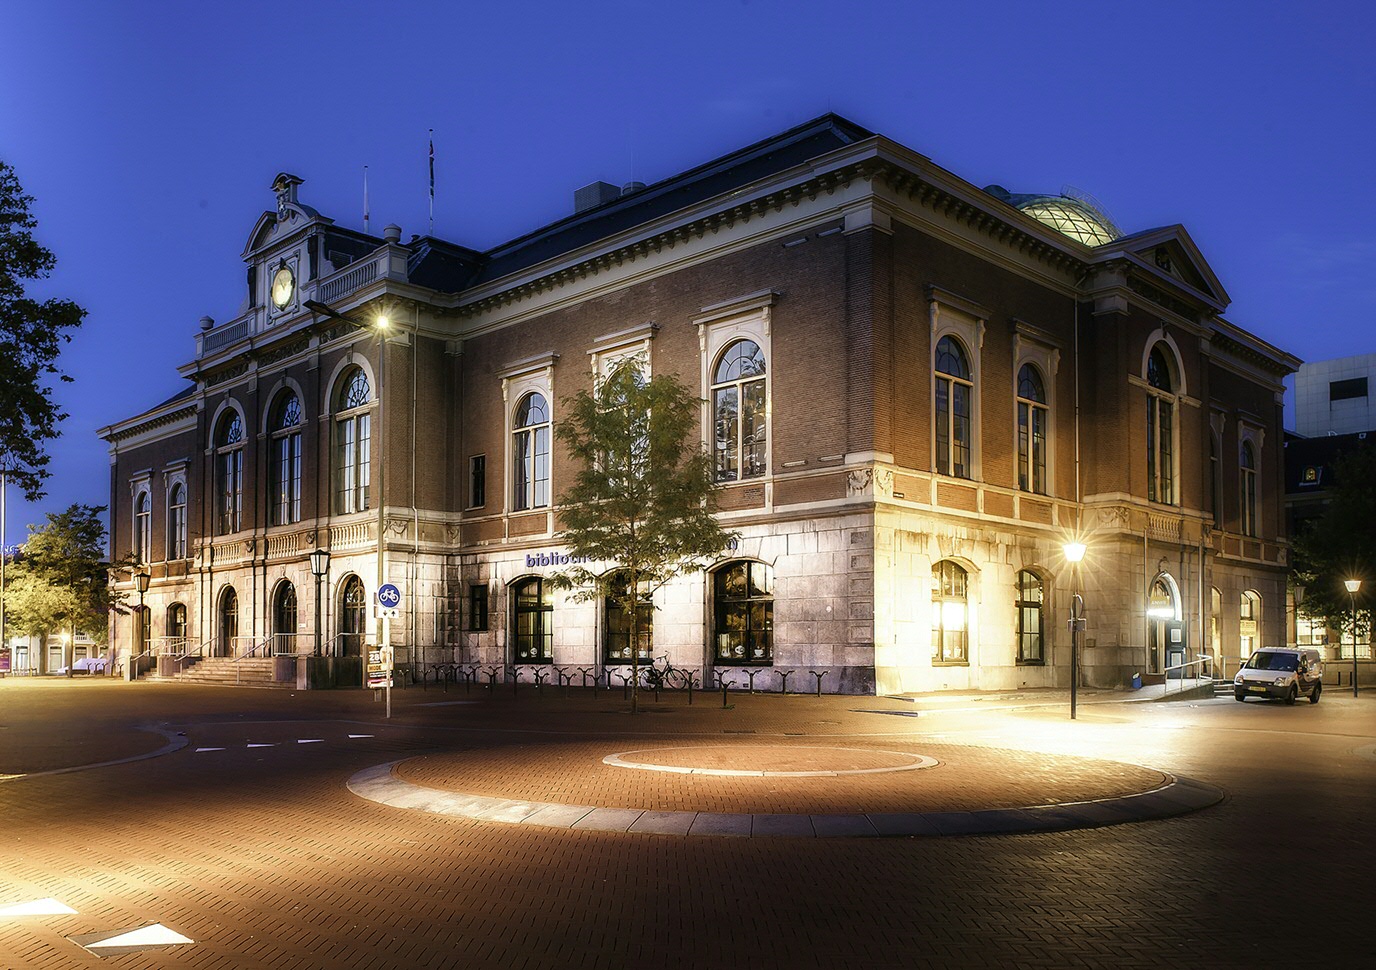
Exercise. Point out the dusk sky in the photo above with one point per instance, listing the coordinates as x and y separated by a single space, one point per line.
149 133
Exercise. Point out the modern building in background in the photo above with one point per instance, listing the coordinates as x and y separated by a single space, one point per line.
917 392
1336 396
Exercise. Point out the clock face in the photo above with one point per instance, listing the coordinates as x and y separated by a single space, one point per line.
282 285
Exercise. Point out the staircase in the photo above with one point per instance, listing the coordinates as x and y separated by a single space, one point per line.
227 672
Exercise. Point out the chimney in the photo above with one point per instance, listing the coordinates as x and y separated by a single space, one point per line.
392 233
594 194
630 187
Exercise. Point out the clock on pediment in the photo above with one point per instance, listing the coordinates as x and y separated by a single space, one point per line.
283 286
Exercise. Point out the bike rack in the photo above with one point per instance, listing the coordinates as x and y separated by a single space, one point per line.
819 674
783 677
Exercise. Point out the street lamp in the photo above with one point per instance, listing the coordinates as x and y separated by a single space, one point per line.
320 564
1074 552
141 580
1352 586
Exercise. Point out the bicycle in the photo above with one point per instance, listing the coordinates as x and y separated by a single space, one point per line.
660 674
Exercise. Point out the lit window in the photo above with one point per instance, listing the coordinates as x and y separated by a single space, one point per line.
740 435
743 596
530 453
352 442
1029 607
617 633
285 484
950 614
954 398
176 522
176 626
532 622
143 526
229 472
1032 422
1160 429
284 619
1248 473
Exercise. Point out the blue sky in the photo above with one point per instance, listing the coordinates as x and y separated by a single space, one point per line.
149 133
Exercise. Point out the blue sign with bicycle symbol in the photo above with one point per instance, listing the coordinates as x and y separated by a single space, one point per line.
388 596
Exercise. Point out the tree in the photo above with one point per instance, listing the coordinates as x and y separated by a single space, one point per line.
31 335
60 579
643 497
1341 544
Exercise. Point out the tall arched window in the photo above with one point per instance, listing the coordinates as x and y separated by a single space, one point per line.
1248 474
143 526
1031 649
1215 482
955 393
353 610
284 618
176 522
1160 428
532 622
229 472
743 601
1249 617
229 622
950 614
740 435
352 442
1032 422
530 453
617 633
285 473
176 625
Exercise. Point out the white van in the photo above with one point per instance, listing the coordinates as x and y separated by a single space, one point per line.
1281 672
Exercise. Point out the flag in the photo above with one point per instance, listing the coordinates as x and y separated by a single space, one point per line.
432 181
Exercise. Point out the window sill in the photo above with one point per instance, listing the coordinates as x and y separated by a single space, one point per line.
743 663
1030 663
950 663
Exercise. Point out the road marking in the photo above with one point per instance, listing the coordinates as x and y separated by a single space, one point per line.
309 740
130 940
360 736
261 746
37 907
199 750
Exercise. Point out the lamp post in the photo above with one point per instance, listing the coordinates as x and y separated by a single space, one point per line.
141 580
4 481
1074 552
320 564
1352 586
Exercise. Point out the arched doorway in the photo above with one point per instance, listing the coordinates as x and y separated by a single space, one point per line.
228 615
353 607
284 619
1165 632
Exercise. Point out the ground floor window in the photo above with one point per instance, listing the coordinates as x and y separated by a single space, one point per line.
950 614
532 622
284 619
743 598
176 623
617 635
1029 606
353 615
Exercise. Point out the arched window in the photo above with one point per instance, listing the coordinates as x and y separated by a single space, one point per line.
176 625
1032 422
954 400
143 526
352 442
1160 428
285 474
176 522
950 614
532 622
1031 649
530 453
617 633
284 619
1249 618
229 622
353 610
740 435
229 472
1248 473
743 600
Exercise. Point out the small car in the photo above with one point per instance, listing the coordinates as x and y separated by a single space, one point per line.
1281 672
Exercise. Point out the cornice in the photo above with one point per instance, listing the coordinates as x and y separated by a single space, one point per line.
123 432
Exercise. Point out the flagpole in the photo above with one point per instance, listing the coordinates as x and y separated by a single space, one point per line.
432 181
365 198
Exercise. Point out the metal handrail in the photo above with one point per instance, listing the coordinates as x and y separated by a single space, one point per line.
248 653
1200 661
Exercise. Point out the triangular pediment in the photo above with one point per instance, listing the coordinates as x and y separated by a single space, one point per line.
1170 255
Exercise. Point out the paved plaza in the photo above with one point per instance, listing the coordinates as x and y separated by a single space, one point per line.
163 825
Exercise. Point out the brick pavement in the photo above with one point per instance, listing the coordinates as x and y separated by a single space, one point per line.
260 855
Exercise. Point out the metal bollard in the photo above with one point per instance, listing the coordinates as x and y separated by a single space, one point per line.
783 677
690 689
819 674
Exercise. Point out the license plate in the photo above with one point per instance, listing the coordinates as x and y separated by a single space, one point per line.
1259 690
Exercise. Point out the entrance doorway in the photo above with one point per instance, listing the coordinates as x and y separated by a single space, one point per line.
1165 632
353 606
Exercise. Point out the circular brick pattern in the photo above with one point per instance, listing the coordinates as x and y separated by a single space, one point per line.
769 761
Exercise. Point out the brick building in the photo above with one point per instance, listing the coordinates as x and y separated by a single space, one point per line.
919 391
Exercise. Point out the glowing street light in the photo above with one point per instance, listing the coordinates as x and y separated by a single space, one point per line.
1352 586
1074 552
